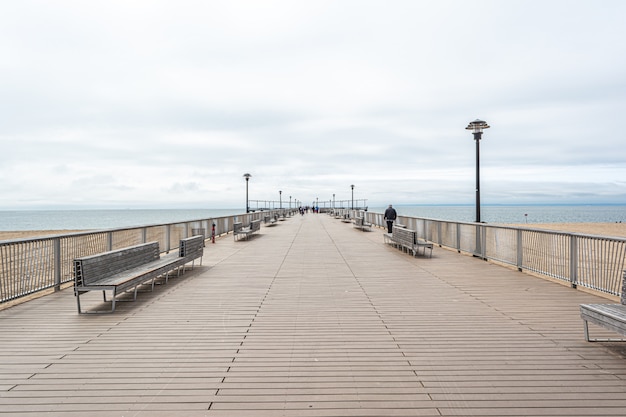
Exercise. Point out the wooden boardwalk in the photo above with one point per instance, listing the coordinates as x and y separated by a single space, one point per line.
315 318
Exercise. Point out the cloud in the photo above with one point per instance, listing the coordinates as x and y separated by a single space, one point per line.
151 104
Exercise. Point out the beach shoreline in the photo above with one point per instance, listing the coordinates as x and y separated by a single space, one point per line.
29 234
597 229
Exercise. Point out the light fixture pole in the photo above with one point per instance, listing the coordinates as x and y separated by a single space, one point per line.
289 202
280 199
333 201
247 177
477 127
352 186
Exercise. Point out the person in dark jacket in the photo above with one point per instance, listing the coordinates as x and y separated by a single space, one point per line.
390 217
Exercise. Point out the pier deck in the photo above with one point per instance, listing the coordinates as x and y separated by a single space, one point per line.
315 318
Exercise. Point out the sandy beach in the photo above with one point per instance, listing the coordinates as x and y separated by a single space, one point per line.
598 229
32 233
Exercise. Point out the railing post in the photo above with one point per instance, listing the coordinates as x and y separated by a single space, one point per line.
109 241
167 238
520 250
144 235
57 264
483 242
477 245
573 261
458 237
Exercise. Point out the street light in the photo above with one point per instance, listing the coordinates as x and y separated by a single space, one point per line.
280 199
352 186
247 177
477 127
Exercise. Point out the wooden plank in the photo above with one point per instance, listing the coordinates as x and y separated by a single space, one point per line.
313 320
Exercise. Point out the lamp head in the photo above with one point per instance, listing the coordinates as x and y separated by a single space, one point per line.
477 126
247 176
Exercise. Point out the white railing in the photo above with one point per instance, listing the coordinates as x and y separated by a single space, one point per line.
594 262
28 266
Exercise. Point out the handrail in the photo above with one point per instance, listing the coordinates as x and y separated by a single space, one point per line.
31 265
581 260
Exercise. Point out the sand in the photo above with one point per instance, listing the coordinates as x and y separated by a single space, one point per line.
32 233
598 229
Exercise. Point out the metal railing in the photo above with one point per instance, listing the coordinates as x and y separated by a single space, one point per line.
28 266
588 261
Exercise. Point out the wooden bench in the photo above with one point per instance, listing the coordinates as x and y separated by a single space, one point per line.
240 230
610 316
360 223
269 220
127 269
407 239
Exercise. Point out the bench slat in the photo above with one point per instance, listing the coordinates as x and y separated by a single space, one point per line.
407 239
609 316
127 268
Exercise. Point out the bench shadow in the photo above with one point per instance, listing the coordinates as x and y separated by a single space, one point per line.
92 302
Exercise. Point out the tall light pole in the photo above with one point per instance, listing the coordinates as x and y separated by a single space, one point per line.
477 127
333 201
289 202
280 199
247 177
352 186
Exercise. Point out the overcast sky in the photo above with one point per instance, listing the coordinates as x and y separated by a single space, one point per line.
158 104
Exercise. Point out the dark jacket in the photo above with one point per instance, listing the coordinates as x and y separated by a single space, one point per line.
390 214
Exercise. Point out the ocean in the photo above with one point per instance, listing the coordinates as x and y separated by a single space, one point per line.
18 220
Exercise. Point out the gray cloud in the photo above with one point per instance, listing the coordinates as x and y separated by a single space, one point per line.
169 103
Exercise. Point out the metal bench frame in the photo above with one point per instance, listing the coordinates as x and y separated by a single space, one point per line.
239 229
360 223
127 269
609 316
407 239
270 220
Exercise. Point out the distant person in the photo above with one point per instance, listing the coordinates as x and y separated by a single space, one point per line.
390 217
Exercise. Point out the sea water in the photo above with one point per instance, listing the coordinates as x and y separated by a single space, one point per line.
17 220
517 214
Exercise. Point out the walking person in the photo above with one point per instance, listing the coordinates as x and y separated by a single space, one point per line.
390 217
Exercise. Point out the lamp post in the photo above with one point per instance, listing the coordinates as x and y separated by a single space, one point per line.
247 177
280 199
333 201
477 127
352 186
289 202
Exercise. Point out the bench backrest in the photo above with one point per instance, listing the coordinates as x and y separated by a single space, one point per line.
237 227
405 235
255 225
91 268
191 246
358 221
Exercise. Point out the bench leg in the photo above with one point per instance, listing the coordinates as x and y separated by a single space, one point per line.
78 302
588 339
80 310
114 296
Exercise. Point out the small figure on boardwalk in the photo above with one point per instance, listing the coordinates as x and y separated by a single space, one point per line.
390 217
